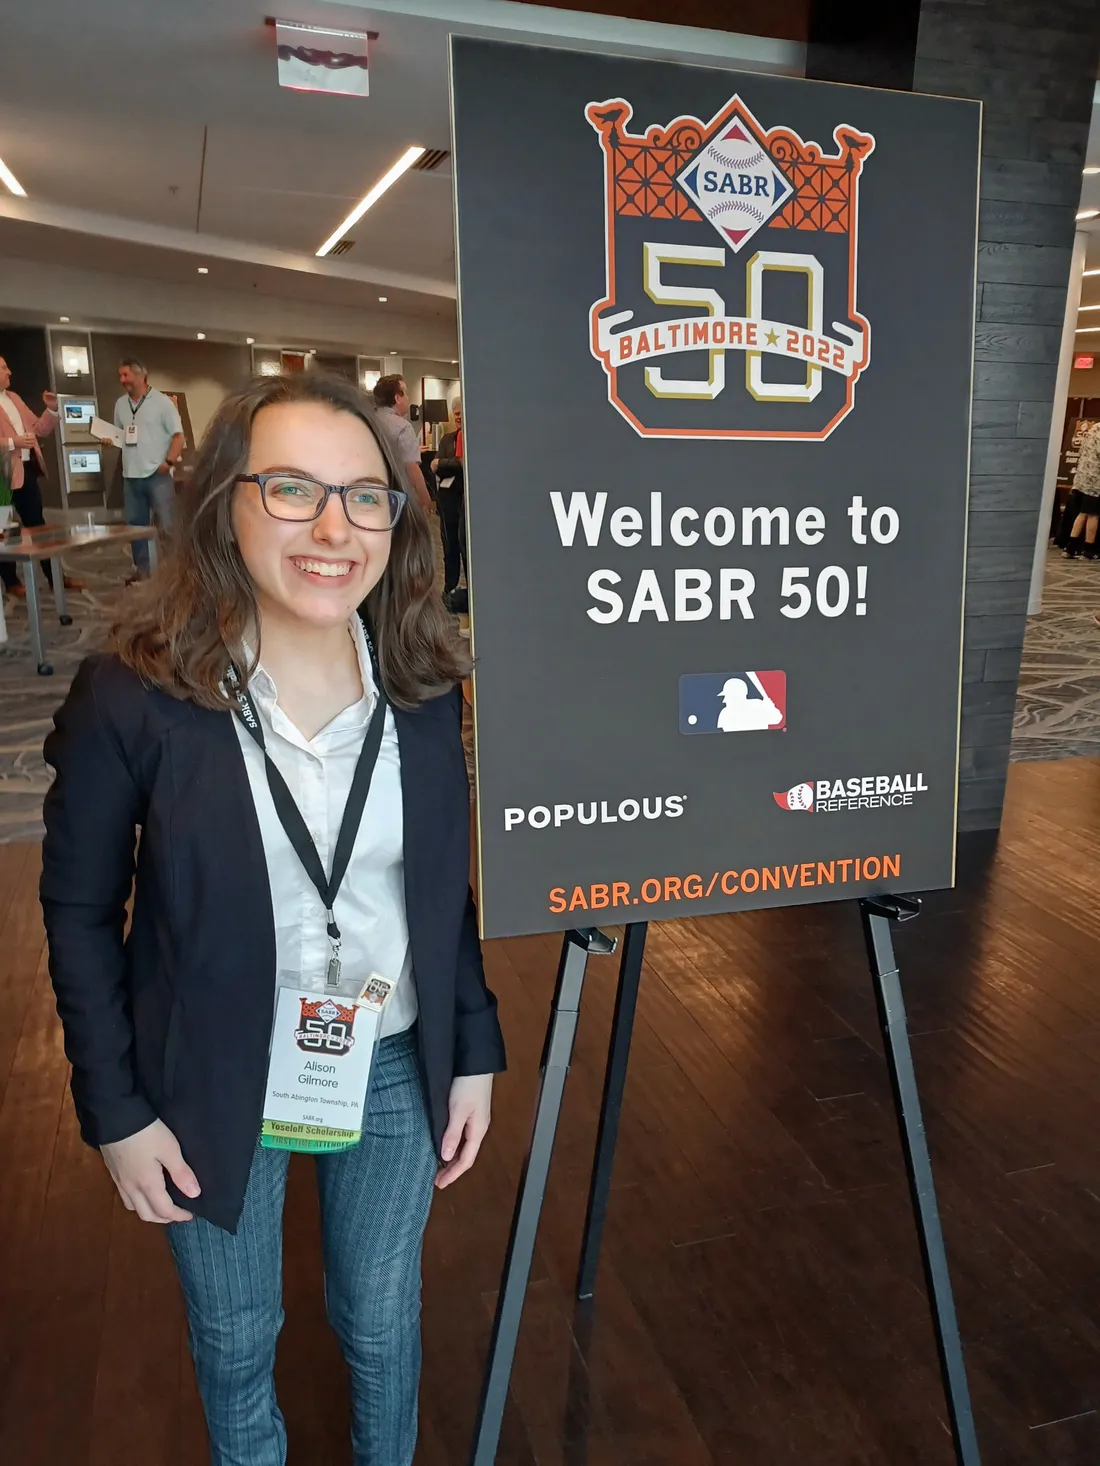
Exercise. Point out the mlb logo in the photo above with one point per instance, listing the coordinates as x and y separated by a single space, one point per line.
733 702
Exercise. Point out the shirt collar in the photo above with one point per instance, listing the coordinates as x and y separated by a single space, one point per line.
265 694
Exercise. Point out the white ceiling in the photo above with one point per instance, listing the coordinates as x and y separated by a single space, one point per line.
157 137
154 137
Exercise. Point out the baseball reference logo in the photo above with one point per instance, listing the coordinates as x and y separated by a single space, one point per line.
326 1027
871 791
684 203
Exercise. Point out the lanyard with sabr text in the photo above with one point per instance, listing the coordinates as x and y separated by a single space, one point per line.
290 816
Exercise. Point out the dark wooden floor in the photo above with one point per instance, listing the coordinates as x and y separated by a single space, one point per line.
760 1299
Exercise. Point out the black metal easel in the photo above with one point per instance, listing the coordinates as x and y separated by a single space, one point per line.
876 914
577 947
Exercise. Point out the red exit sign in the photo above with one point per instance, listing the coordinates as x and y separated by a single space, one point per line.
1083 363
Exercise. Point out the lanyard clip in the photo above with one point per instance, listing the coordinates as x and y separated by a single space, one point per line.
332 974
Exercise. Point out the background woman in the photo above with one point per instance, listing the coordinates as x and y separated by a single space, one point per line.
295 538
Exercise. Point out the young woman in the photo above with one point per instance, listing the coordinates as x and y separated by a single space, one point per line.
291 657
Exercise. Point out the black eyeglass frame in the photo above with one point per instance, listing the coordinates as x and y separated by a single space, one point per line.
398 498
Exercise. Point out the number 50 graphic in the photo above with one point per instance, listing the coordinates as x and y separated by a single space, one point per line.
805 343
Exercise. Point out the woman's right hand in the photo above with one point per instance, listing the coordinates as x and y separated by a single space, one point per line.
137 1165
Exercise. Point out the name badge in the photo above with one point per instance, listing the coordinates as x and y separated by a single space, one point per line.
130 437
322 1053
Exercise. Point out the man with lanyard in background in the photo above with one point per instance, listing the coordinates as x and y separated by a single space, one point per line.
20 431
152 442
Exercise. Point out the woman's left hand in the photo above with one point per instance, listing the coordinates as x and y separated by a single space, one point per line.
470 1106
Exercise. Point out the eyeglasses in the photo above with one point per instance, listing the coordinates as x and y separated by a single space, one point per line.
367 506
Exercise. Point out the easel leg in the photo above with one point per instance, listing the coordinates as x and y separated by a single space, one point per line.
622 1030
877 913
558 1052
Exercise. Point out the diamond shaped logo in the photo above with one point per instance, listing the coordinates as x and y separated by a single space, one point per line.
734 183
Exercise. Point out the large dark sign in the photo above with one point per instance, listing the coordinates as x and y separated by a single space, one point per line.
717 336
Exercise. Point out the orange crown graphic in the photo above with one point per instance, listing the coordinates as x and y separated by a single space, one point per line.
323 1008
643 167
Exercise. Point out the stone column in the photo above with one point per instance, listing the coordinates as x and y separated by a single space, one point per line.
1033 64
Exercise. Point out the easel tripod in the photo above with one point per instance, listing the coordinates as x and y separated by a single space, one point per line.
877 913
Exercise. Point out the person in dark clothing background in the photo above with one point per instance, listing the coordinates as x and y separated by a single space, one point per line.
449 469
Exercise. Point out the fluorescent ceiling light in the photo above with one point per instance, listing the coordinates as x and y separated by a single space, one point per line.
382 299
203 270
9 178
1091 272
1089 307
64 320
403 164
1088 214
250 340
1084 330
201 336
1090 170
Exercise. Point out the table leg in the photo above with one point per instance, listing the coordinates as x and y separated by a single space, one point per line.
60 599
152 553
34 617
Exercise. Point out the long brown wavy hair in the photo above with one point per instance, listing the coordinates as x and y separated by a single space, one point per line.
183 627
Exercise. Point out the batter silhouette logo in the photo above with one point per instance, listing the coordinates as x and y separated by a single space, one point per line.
731 253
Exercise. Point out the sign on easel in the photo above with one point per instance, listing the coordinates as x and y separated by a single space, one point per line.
717 341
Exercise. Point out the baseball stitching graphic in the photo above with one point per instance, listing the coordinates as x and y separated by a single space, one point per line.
736 206
725 160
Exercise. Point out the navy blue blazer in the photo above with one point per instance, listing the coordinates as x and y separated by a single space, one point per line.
173 1020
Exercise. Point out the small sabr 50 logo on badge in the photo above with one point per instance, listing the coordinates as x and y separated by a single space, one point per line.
326 1027
699 334
733 702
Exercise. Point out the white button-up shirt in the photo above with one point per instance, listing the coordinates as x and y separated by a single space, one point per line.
370 905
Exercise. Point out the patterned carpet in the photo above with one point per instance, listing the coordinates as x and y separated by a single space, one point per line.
1058 705
27 701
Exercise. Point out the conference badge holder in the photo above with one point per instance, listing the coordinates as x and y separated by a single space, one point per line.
323 1048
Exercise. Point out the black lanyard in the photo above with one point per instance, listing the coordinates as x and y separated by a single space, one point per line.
290 816
135 410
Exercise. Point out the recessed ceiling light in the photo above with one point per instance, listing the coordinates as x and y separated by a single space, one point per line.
1088 214
203 270
403 164
201 336
382 299
64 320
11 182
250 340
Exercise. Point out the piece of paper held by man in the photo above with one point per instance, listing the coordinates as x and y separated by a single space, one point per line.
106 431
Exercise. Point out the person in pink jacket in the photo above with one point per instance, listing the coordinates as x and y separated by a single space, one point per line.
20 431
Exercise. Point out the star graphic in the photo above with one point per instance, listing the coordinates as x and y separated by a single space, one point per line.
772 339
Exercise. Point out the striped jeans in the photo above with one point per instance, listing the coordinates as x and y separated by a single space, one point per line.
374 1208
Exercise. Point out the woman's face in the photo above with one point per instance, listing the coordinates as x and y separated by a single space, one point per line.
319 571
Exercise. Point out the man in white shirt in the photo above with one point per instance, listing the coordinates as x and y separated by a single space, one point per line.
152 443
20 431
391 397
